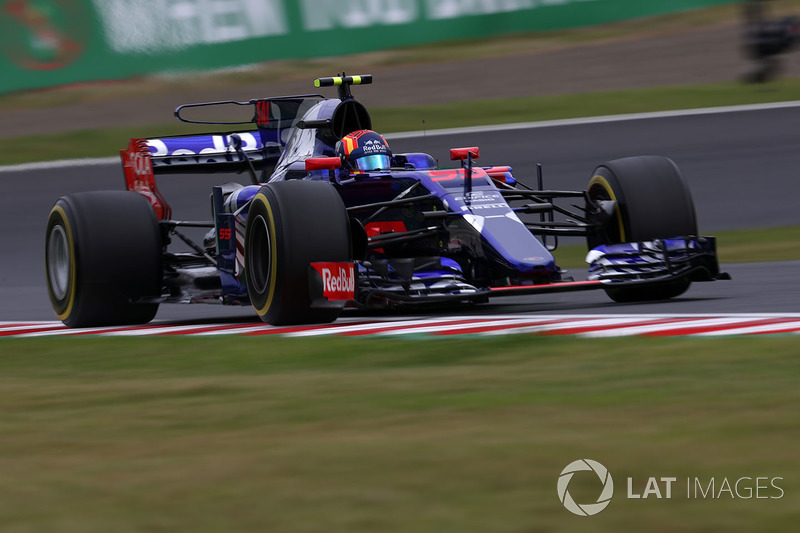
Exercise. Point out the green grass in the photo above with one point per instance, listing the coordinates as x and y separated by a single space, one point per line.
107 142
776 244
167 434
733 246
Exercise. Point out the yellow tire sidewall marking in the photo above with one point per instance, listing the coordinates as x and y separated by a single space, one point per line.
272 252
72 270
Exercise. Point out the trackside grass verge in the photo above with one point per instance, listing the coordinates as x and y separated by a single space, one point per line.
108 142
166 434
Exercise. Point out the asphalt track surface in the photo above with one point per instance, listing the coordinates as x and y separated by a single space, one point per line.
743 169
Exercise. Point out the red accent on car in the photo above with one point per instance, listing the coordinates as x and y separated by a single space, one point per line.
323 163
561 286
460 154
137 166
455 174
338 280
385 226
446 175
499 173
262 113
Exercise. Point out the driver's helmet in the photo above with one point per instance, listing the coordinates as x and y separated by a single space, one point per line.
364 150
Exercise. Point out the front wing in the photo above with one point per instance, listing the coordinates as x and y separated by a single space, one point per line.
655 261
620 265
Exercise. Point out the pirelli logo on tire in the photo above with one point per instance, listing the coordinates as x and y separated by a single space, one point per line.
337 280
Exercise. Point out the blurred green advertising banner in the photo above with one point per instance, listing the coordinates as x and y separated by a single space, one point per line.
45 43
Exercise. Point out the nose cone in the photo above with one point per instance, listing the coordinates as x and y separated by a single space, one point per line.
512 247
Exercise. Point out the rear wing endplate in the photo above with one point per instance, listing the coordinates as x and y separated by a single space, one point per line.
137 165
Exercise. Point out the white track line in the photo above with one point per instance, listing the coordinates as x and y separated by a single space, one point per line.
231 331
64 331
159 330
591 326
750 330
586 322
536 324
26 327
68 163
655 328
10 323
61 163
595 120
154 329
462 328
375 327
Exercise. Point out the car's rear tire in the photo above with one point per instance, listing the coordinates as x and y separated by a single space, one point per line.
290 225
102 256
653 202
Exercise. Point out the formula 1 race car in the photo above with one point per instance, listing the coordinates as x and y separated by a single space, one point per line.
318 228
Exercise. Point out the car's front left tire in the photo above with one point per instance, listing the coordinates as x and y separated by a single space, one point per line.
291 224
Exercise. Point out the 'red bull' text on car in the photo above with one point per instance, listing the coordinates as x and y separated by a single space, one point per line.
331 217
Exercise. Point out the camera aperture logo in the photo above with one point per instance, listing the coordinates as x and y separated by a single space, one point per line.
586 509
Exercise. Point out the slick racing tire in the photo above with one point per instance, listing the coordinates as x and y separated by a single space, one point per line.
653 202
102 256
291 224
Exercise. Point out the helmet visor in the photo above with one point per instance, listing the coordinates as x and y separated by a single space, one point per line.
374 162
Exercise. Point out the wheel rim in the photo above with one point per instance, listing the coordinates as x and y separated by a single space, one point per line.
611 233
58 262
258 256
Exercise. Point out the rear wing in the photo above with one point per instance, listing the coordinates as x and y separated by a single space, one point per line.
236 151
217 152
231 151
143 159
214 152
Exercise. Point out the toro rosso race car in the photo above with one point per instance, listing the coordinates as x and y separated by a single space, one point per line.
331 218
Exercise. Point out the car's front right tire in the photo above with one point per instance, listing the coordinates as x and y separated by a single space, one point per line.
653 201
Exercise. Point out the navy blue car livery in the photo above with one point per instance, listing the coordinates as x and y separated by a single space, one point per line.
329 217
